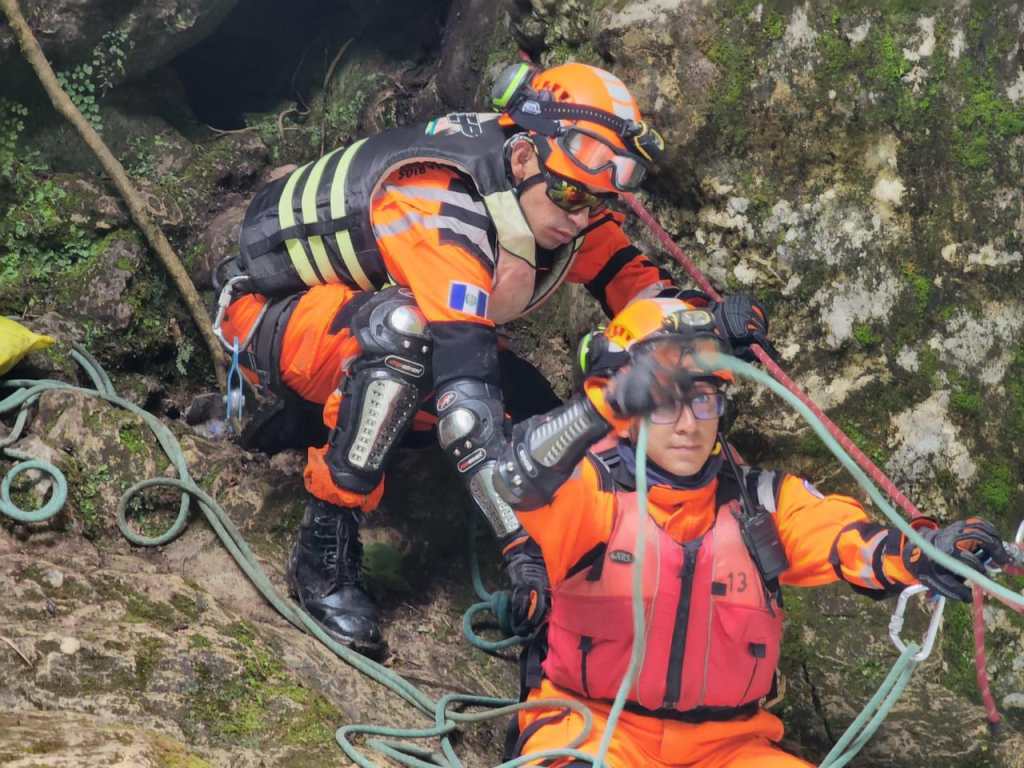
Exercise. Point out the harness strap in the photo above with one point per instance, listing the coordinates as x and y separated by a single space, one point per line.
729 490
301 230
698 715
264 353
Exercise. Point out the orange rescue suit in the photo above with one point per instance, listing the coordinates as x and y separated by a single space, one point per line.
407 215
826 538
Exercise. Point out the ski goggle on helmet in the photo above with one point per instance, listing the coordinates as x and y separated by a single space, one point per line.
585 123
677 342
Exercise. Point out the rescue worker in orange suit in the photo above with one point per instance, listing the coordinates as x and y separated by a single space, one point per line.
720 539
374 278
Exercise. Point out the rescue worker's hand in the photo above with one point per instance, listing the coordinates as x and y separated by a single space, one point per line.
643 386
743 320
531 592
974 542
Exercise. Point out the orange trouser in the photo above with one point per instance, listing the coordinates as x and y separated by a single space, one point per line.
314 352
641 740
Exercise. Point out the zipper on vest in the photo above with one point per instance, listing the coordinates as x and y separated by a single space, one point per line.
675 660
586 644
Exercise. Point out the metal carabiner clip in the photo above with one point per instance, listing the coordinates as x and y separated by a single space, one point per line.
1015 548
896 622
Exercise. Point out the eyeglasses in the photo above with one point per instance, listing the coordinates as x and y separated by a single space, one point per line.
567 195
703 405
571 197
593 154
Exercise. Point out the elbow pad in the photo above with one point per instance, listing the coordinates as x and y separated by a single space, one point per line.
470 428
544 452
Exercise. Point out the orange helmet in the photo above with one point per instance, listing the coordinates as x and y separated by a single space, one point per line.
585 124
692 331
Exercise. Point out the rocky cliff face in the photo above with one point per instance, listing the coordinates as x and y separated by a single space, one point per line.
857 166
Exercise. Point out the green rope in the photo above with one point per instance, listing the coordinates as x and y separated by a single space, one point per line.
27 392
495 602
875 711
639 631
718 361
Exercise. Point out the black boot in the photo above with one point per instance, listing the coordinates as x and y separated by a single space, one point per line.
325 576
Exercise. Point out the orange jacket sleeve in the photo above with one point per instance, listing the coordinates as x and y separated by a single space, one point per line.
435 236
828 538
578 518
612 269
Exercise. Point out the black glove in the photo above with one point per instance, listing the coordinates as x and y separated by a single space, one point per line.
743 320
645 384
531 592
974 542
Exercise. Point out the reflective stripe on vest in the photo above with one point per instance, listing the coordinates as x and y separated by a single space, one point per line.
712 640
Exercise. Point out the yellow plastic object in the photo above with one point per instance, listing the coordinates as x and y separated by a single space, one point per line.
16 341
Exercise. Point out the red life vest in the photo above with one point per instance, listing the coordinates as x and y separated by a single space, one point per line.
713 633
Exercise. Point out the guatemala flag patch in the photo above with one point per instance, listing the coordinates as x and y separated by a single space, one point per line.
463 297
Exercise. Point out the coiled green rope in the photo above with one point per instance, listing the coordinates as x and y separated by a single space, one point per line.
27 392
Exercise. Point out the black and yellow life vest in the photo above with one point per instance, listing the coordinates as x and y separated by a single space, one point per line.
313 226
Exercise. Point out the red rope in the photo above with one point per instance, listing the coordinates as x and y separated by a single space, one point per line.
865 463
869 466
981 670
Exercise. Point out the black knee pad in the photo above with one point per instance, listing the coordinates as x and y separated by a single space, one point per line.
382 389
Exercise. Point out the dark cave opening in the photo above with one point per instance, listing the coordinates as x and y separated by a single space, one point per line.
267 51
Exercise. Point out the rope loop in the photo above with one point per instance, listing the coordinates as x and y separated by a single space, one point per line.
58 492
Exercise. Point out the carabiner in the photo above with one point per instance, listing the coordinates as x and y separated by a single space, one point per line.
1015 549
896 622
227 294
234 399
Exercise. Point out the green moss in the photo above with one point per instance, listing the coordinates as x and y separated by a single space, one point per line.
774 25
46 746
877 452
966 401
734 59
147 656
130 435
562 52
866 336
958 651
186 605
995 487
85 494
928 364
890 64
199 642
920 288
256 702
383 565
986 119
172 754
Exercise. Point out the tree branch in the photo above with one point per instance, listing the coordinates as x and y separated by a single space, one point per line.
136 205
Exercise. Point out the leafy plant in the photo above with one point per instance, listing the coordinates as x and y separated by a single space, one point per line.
87 83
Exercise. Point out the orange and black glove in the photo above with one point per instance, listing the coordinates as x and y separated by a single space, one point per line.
974 542
531 591
743 320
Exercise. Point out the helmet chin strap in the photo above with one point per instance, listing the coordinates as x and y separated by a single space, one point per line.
525 184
